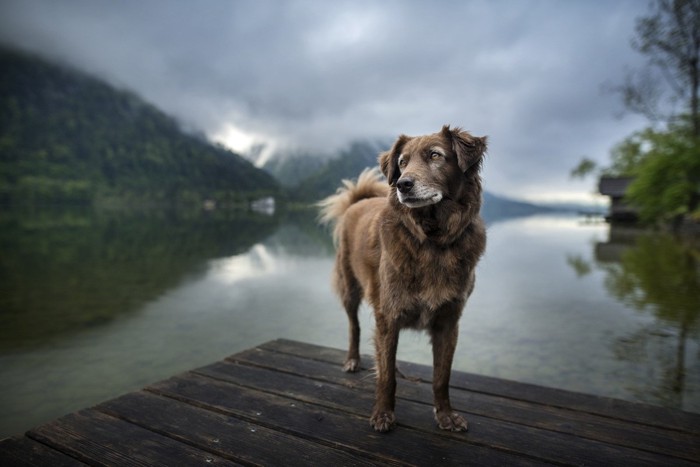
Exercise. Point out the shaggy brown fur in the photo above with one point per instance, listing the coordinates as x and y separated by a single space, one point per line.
410 249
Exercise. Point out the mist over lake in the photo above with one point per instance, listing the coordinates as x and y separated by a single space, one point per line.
95 304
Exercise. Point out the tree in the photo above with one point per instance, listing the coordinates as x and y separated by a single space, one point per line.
670 38
665 167
666 174
625 157
664 162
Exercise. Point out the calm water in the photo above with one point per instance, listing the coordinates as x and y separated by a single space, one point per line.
93 306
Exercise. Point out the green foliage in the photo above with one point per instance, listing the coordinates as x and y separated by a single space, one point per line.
66 137
667 174
665 164
665 167
626 156
43 190
583 169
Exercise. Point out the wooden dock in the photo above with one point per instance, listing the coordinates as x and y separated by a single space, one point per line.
289 403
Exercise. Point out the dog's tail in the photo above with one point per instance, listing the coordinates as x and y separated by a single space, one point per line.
368 185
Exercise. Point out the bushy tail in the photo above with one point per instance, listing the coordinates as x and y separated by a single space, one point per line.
368 185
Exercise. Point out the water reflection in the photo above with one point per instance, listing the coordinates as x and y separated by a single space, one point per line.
96 305
659 276
66 270
254 263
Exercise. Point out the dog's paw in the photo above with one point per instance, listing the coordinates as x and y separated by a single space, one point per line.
451 421
351 365
382 421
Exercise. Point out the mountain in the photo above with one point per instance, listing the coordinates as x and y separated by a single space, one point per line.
351 161
496 207
69 137
325 179
290 168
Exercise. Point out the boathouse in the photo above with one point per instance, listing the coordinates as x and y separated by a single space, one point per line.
615 188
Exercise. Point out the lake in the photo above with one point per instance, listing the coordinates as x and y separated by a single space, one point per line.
96 305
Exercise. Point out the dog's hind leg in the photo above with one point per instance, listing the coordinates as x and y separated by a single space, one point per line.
350 294
351 302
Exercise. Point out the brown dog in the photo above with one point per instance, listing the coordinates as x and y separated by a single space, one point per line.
410 249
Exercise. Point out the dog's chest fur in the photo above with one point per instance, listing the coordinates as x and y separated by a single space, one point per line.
420 275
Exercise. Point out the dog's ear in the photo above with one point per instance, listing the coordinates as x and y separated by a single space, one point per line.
389 160
470 149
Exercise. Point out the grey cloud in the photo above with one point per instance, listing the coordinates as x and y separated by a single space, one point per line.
317 73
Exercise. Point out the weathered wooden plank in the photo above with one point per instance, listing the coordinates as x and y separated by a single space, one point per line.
536 443
98 439
584 425
22 451
642 414
223 435
320 424
608 407
288 403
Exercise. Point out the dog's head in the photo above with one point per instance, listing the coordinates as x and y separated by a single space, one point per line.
427 169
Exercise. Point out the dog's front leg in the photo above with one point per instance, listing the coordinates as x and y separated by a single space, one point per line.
386 341
444 334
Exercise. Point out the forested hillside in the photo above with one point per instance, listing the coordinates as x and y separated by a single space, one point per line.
68 137
347 164
292 167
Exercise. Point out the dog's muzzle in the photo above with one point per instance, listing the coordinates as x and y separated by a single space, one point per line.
416 195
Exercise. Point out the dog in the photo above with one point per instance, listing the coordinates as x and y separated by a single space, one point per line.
409 246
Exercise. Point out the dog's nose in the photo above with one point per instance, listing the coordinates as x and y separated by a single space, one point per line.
404 184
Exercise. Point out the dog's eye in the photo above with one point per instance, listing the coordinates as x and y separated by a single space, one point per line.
402 163
435 155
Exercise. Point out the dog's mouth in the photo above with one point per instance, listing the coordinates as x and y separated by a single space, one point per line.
413 201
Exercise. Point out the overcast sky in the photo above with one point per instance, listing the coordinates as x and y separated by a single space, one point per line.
317 73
